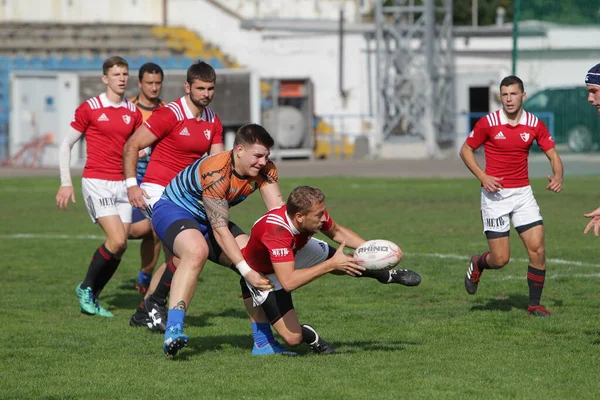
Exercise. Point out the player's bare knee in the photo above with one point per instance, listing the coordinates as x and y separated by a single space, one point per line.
117 246
537 258
196 256
498 260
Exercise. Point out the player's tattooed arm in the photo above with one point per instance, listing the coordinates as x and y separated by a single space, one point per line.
217 211
181 305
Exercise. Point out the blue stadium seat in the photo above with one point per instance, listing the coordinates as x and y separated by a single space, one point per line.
215 63
137 62
36 62
180 62
50 62
5 62
156 60
170 63
20 63
66 63
81 62
95 62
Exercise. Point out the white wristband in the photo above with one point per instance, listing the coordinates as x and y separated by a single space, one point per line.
243 267
130 182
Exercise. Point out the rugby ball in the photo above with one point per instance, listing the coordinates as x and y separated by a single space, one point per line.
377 255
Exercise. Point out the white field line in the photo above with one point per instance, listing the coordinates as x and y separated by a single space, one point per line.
50 236
432 255
520 260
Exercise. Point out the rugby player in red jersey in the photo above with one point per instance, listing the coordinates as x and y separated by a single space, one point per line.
507 136
107 121
179 133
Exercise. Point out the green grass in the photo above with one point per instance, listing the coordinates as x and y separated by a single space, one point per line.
432 341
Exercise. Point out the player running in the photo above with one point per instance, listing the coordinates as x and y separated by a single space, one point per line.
107 121
507 136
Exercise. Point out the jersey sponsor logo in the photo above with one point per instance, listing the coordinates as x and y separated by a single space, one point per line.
500 136
280 252
525 136
207 133
103 118
127 118
184 132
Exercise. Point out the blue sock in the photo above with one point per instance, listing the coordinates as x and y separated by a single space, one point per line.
144 277
262 334
175 317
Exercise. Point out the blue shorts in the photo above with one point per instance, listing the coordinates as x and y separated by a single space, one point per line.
137 215
165 214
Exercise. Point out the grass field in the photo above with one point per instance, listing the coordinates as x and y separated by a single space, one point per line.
431 341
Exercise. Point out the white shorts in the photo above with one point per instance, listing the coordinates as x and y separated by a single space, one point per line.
313 253
154 190
517 205
105 198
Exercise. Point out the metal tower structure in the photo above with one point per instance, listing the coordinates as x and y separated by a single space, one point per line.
415 71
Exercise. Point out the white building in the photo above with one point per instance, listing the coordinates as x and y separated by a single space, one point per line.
556 56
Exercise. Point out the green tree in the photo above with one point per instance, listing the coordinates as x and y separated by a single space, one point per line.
558 11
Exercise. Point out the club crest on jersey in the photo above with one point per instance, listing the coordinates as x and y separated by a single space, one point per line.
207 133
127 119
525 136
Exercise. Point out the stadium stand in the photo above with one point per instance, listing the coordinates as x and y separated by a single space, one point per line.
40 41
83 47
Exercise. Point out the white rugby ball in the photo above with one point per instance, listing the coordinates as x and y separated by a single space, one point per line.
377 255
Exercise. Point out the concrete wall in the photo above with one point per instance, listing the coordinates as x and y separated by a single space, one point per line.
82 11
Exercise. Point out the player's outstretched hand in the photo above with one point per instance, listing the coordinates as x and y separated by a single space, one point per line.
555 184
491 183
346 263
64 194
595 221
258 280
136 197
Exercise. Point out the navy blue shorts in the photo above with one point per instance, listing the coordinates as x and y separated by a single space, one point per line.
169 219
165 214
137 215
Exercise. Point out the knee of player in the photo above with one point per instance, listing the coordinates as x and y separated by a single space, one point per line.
537 256
195 255
498 260
538 251
117 245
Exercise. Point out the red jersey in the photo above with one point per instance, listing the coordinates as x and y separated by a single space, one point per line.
507 147
182 139
106 127
274 239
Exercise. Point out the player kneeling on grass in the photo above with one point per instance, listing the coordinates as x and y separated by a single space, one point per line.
282 248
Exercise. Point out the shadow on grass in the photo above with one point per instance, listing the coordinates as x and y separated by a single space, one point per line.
203 344
504 303
201 319
510 302
373 345
595 335
199 345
